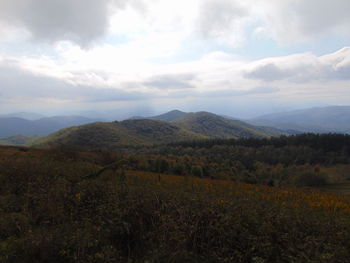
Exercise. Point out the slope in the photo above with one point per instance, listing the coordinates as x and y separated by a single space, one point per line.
18 140
171 116
115 134
214 126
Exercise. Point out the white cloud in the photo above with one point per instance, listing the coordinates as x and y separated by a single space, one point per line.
135 47
215 75
302 68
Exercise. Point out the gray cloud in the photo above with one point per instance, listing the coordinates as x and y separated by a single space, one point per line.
174 81
295 21
80 21
288 21
225 93
217 19
268 72
17 83
234 93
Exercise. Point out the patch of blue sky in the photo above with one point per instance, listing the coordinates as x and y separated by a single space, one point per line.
193 49
118 39
27 49
258 48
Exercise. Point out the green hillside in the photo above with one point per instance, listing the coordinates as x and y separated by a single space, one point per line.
179 126
114 134
18 140
214 126
171 116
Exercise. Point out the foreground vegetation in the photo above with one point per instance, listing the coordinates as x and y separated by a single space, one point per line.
62 206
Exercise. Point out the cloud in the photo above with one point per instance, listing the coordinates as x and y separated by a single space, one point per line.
171 81
222 20
229 22
268 72
294 78
302 68
19 83
227 93
80 21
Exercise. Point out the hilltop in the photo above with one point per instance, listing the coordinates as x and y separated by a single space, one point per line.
171 116
114 134
179 127
215 126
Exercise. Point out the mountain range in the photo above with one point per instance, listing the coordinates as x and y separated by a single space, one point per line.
23 115
316 120
171 126
10 126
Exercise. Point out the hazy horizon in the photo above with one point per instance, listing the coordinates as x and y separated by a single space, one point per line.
142 57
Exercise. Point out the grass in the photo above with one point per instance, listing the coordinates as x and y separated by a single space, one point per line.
51 212
342 188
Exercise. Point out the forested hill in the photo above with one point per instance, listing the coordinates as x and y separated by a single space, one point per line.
243 154
215 126
136 132
325 142
114 134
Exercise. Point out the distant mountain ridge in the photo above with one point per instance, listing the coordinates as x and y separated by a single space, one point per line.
319 120
23 115
10 126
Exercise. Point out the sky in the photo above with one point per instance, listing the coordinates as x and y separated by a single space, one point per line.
143 57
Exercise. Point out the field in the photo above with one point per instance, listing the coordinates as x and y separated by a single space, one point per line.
59 209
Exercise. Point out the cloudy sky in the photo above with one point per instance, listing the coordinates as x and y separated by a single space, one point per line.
142 57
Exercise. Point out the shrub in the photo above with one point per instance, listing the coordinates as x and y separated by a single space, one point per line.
312 179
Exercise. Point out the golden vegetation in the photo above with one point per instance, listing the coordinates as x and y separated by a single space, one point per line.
51 211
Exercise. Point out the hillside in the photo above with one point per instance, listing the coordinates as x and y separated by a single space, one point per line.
179 126
214 126
79 210
171 116
18 140
320 120
114 134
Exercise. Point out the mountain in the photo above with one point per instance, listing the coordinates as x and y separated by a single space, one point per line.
11 126
179 127
171 116
215 126
114 134
320 120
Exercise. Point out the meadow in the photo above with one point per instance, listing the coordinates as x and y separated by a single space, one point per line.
55 208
